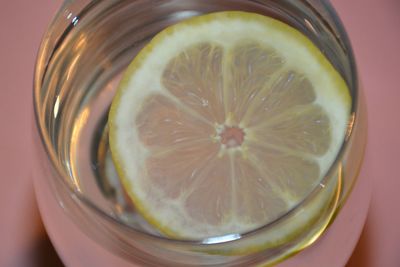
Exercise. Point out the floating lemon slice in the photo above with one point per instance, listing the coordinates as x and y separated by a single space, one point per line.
225 122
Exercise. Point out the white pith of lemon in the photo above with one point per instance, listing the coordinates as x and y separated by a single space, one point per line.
188 87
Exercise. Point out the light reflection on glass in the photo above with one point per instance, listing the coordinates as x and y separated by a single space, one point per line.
310 26
350 125
185 14
56 107
219 239
75 21
81 42
80 123
71 68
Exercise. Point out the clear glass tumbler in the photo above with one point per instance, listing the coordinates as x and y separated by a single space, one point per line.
87 47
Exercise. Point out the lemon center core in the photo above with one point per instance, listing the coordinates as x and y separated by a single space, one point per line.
232 136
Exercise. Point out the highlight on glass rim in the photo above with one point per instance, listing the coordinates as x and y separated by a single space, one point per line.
213 136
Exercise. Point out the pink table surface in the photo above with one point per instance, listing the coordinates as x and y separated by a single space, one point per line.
374 29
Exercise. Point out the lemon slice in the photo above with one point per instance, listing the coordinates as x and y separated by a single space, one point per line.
225 122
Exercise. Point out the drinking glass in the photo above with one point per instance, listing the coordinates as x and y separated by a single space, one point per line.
87 47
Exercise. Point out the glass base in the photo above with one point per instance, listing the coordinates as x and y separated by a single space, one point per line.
76 249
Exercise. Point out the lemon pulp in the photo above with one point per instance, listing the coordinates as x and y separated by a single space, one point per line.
225 122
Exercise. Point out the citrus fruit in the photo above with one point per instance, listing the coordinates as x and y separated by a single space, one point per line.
225 122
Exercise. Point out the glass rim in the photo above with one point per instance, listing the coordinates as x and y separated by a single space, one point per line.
39 73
